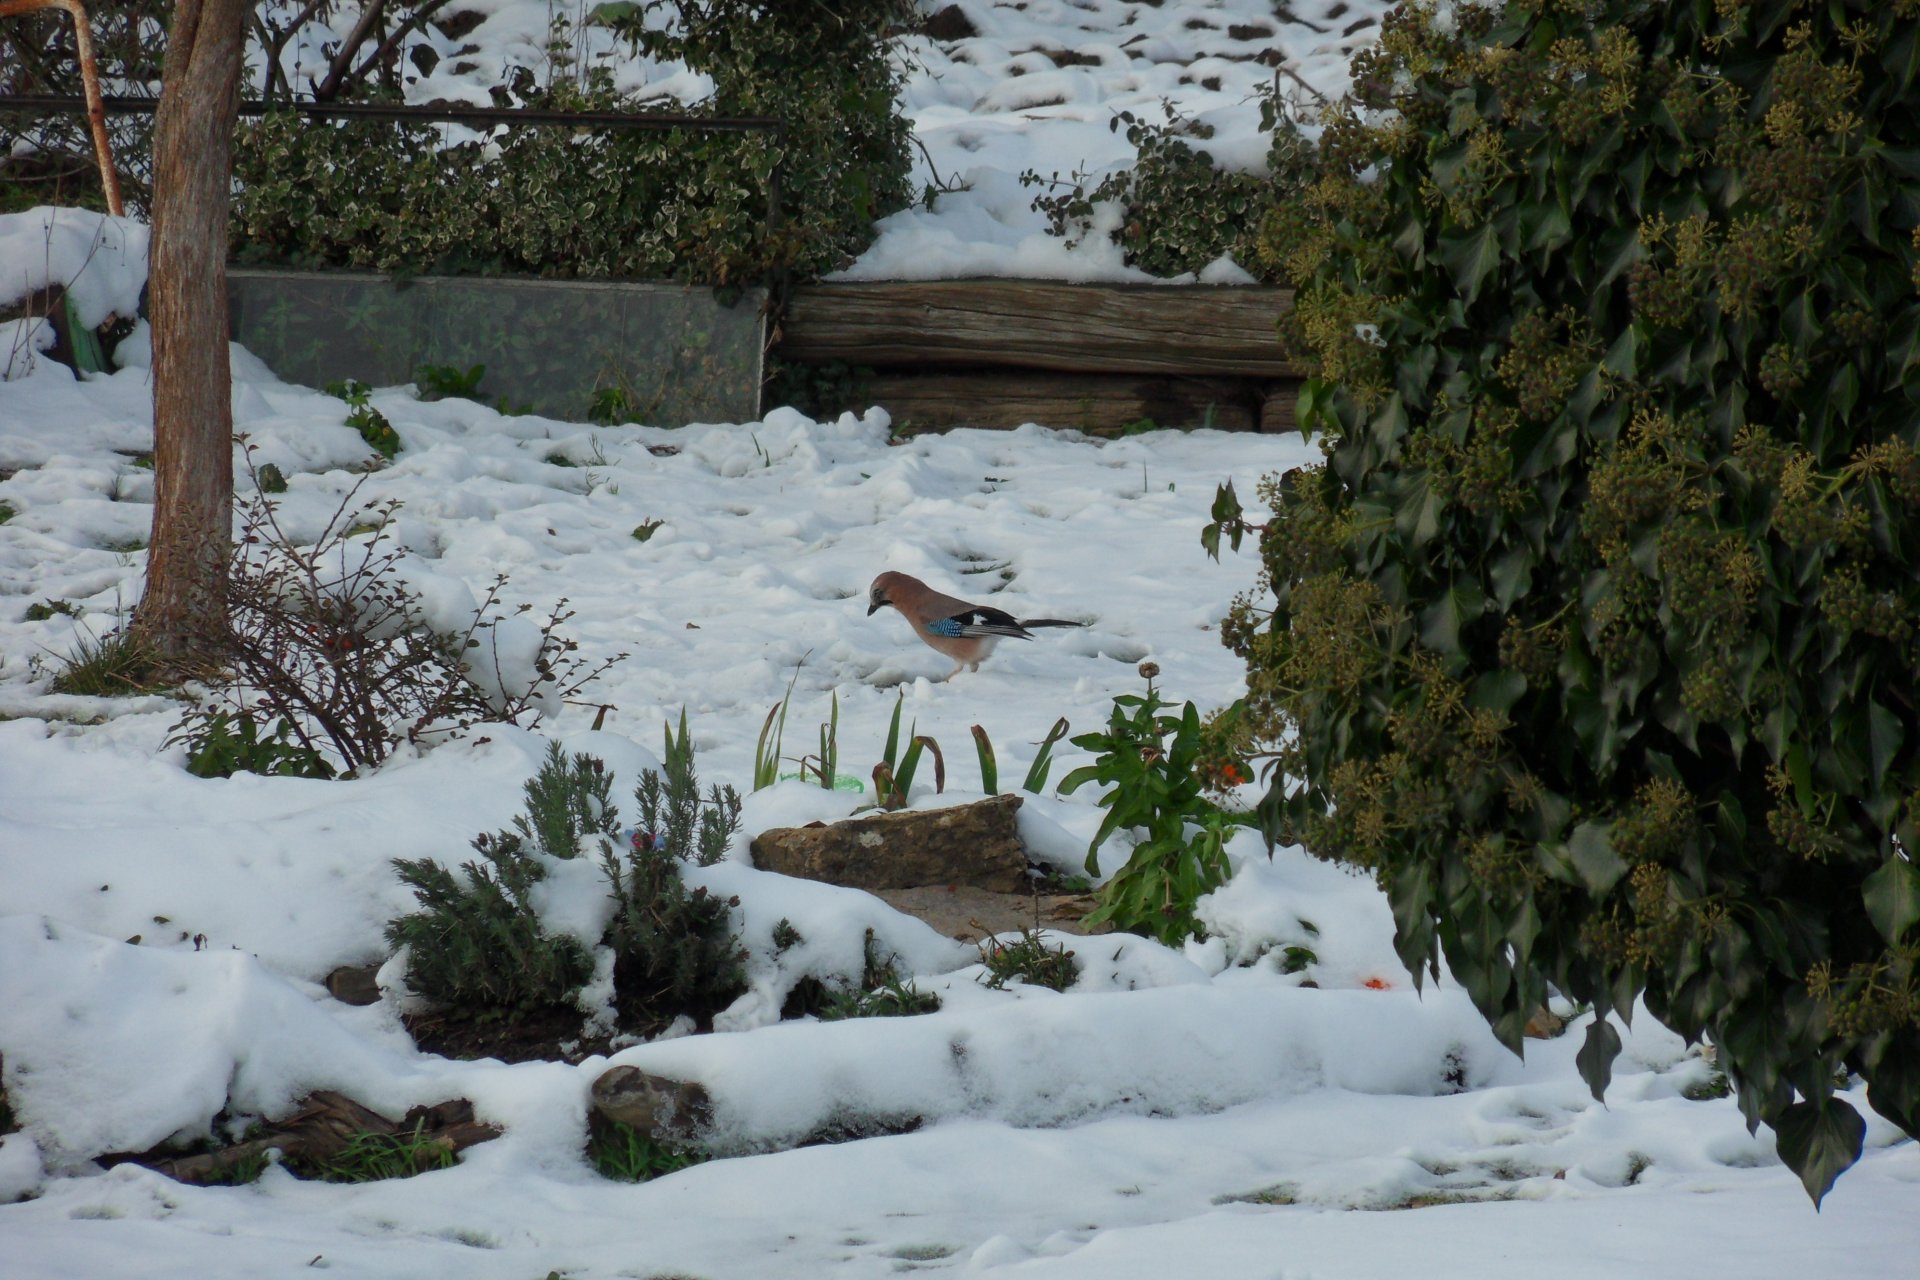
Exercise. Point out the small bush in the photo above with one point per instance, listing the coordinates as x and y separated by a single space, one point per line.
1030 960
330 641
477 947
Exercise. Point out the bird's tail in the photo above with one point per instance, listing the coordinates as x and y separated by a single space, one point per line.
1050 622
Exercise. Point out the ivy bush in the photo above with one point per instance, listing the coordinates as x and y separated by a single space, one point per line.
1180 210
549 201
1594 639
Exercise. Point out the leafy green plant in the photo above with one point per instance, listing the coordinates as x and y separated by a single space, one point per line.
7 512
362 417
1028 959
892 997
893 776
478 948
623 1153
221 742
271 479
825 765
1594 638
989 763
1154 765
444 382
644 531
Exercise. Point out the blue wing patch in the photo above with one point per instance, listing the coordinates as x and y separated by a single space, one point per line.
946 627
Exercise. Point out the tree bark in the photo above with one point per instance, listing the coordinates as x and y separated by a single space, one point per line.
184 607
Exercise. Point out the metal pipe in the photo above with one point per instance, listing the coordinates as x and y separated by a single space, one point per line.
656 120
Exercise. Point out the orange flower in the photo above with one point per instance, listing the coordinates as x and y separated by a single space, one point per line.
1378 984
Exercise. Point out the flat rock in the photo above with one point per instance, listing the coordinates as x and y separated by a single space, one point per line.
974 845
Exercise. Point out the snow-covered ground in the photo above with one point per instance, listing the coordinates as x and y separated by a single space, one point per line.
1177 1113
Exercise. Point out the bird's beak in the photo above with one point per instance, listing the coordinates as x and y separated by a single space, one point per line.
874 607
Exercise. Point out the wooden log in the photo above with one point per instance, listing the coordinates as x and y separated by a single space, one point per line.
1031 324
1278 404
1099 404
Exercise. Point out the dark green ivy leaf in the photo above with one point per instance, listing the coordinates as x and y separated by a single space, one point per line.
1596 1056
1819 1141
1892 895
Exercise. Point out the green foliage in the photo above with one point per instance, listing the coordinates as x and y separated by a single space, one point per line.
373 1157
117 665
825 765
1156 768
221 742
625 1154
50 609
611 405
1595 638
551 201
1030 960
271 479
476 945
1036 780
672 813
7 512
442 381
364 418
989 763
567 801
674 950
822 391
882 992
893 776
644 531
1178 211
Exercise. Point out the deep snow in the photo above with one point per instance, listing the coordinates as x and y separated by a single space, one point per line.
1179 1112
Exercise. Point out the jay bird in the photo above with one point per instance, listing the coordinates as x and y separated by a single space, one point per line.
964 632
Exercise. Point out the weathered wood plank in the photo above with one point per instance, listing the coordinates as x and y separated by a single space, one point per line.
1101 404
1029 324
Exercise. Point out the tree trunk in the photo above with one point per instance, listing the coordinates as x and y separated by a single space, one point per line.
184 608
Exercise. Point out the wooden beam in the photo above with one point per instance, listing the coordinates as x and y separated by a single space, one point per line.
1100 404
1032 324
